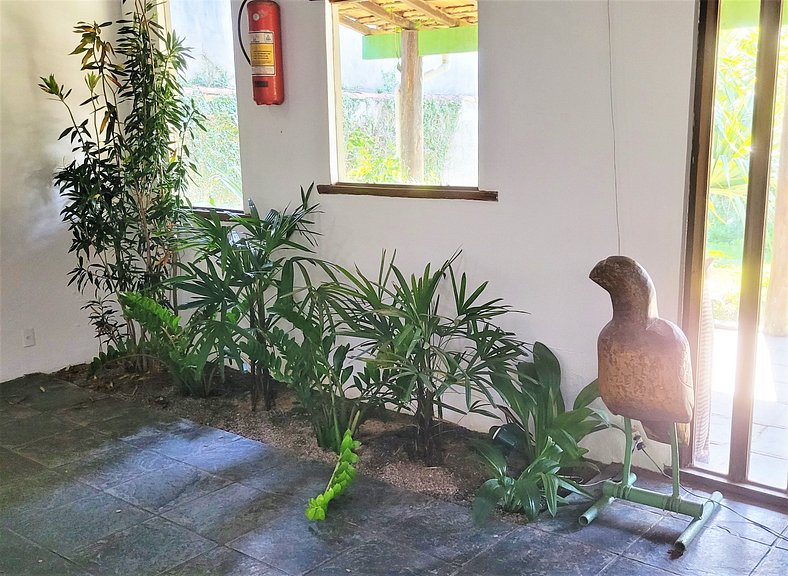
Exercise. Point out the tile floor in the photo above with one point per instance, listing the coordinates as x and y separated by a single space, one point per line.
93 485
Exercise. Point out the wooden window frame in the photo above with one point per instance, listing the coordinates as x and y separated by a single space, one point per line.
390 190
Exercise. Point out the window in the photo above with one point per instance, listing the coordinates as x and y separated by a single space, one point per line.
210 81
737 296
405 95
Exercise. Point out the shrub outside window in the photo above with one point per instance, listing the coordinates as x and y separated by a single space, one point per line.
210 81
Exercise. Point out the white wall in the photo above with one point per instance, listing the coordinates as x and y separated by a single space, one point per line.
545 144
35 39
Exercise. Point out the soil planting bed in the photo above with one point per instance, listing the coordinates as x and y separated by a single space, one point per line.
386 437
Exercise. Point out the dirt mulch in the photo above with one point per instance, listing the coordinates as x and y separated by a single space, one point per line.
386 437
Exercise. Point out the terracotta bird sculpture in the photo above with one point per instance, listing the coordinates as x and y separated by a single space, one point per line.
644 361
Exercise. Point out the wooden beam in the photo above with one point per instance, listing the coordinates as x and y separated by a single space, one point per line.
411 122
405 191
383 14
435 13
354 25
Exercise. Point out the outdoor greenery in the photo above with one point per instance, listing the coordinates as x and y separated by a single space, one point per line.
215 150
729 172
370 137
123 189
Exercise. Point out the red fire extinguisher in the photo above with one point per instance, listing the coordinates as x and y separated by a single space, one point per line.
265 51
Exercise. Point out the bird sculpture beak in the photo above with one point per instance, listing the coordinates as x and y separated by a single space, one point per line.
597 272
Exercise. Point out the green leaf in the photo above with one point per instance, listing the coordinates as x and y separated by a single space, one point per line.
587 395
492 457
487 498
530 496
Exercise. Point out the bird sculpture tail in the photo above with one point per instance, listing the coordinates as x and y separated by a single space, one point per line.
660 432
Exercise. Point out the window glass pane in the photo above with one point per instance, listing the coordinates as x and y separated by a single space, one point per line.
407 103
206 26
768 458
728 178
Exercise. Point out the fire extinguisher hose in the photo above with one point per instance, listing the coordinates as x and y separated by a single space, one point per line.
240 34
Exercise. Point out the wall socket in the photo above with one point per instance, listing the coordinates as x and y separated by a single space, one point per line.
29 337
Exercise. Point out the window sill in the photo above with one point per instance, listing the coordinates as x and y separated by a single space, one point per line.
409 191
224 214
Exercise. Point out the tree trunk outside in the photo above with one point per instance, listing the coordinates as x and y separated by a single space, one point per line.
411 118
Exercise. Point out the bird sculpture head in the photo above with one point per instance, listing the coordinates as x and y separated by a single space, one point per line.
631 289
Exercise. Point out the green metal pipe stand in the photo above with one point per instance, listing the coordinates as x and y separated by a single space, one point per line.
700 512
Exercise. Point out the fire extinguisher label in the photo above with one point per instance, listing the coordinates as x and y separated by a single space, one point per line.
261 52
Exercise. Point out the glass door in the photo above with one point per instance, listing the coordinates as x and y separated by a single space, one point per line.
737 290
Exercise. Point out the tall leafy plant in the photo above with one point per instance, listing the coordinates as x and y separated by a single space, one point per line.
123 188
428 350
319 369
241 269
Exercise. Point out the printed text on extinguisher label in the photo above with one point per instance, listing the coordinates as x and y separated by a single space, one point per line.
261 50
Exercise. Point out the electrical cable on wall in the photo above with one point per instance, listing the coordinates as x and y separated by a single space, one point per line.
613 121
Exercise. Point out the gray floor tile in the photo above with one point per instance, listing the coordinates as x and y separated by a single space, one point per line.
783 542
15 467
114 463
381 558
298 478
775 564
731 521
250 462
146 549
626 567
10 388
67 447
54 395
39 493
615 529
714 551
222 561
228 456
9 411
66 528
180 439
227 513
533 552
20 557
295 545
14 433
377 505
132 422
95 410
168 487
447 531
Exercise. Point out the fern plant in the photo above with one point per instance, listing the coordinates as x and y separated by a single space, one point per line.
342 476
187 352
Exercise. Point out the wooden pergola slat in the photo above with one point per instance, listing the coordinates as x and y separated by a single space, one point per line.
390 16
432 11
375 9
356 25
